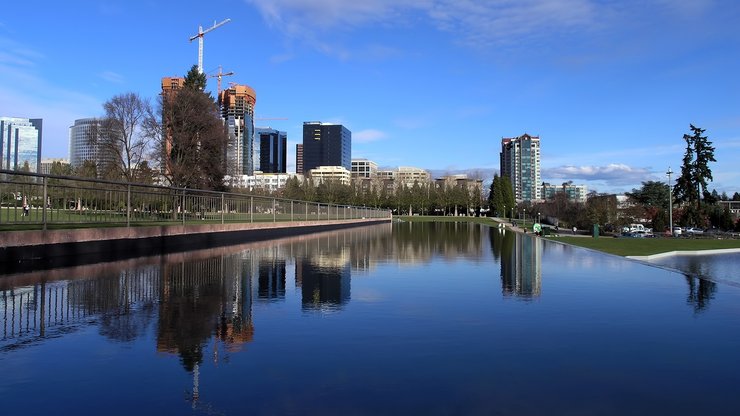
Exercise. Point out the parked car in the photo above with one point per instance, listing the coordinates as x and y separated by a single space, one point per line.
677 231
691 231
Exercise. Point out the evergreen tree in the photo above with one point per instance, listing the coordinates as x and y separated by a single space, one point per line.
695 171
195 80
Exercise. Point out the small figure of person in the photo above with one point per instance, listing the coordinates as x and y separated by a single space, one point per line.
25 210
574 230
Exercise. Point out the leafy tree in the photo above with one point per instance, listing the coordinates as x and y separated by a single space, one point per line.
61 169
652 193
736 196
601 209
88 169
660 221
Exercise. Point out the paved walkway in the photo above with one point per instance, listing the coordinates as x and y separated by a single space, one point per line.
562 232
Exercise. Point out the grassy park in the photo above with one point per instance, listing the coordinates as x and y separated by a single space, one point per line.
648 246
618 246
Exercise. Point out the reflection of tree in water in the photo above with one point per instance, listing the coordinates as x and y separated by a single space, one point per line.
419 241
200 298
701 291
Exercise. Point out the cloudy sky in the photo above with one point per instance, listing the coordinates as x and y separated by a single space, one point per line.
609 86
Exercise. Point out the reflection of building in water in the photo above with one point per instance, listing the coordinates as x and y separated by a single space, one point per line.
521 270
271 278
323 286
200 296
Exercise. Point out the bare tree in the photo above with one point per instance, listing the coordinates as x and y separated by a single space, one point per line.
193 143
124 135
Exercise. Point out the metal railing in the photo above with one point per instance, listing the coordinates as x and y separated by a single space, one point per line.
43 201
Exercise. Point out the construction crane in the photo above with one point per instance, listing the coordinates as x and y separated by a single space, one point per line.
218 76
199 36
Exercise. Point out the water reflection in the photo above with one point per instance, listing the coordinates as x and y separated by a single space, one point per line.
521 263
234 305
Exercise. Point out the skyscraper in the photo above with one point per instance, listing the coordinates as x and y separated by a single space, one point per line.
81 148
20 143
326 145
520 162
237 109
299 158
273 152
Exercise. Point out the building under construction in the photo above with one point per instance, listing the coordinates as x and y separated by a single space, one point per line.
237 110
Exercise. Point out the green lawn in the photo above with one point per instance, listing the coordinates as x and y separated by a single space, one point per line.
647 246
618 246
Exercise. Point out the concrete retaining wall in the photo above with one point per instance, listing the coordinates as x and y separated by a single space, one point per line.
28 250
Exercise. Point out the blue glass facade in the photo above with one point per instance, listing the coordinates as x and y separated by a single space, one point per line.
20 143
326 145
273 154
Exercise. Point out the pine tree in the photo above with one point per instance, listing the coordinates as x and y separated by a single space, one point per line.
695 171
195 80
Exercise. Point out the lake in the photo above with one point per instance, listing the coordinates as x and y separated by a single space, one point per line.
404 318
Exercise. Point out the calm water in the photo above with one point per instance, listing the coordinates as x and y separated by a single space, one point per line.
717 267
405 319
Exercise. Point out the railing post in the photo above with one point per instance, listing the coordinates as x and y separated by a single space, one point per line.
306 217
251 209
223 207
274 210
43 210
318 212
182 205
291 211
128 205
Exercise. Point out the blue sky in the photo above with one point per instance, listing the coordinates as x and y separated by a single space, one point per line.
609 86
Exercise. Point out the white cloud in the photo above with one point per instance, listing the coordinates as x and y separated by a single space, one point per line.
367 136
111 76
474 22
615 174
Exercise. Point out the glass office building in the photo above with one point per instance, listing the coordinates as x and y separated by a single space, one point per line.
20 140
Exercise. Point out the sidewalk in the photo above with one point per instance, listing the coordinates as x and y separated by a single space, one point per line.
560 233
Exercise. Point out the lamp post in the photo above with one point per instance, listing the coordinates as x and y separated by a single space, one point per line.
670 201
504 212
525 217
538 218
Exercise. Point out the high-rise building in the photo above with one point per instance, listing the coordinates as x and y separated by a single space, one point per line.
20 143
326 145
273 152
299 159
237 109
82 145
520 162
170 86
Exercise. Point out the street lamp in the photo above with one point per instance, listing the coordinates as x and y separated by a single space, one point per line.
538 218
525 216
670 201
